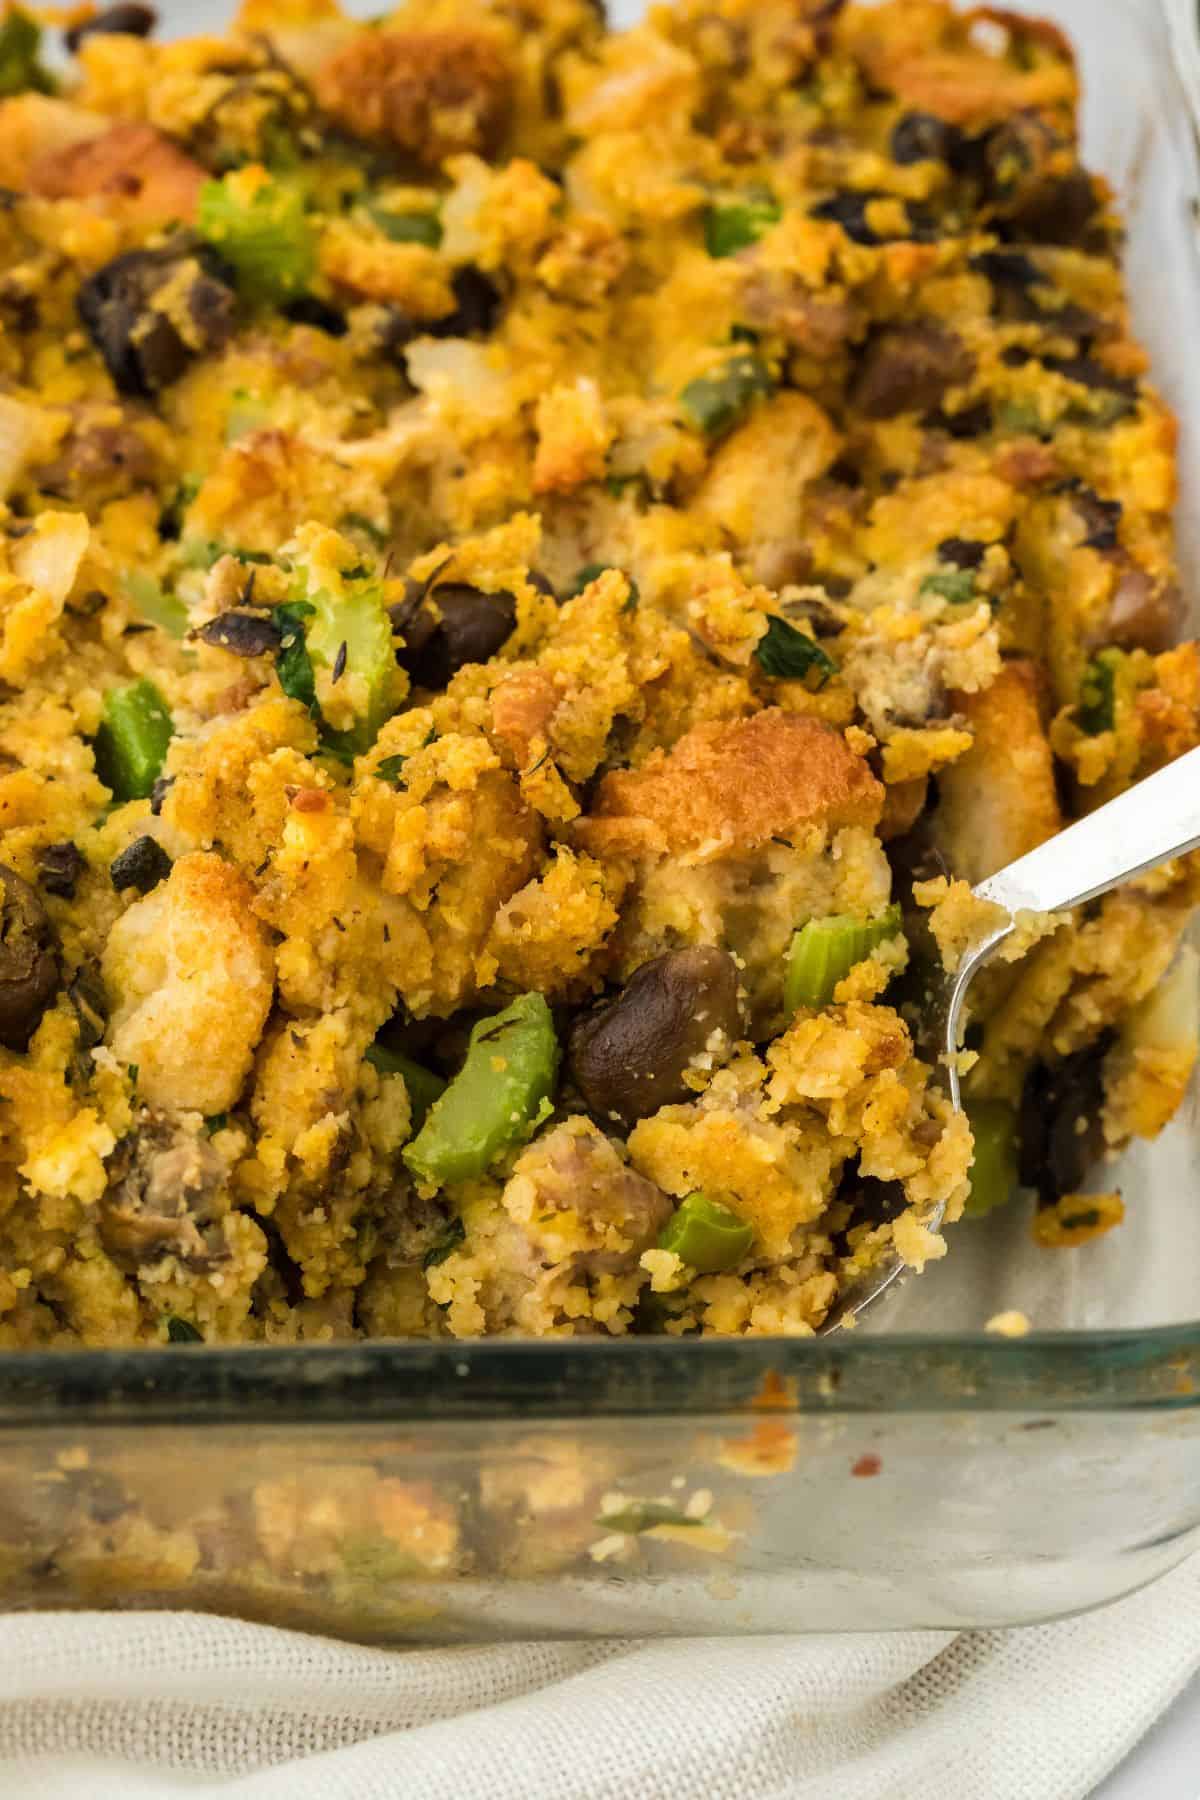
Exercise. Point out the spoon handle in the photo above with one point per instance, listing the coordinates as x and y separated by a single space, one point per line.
1147 825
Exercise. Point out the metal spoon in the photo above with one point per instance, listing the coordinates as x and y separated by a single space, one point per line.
1147 825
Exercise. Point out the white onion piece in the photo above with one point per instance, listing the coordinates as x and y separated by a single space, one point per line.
50 556
20 430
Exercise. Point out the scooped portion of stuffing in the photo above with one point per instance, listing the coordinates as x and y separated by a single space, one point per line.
520 545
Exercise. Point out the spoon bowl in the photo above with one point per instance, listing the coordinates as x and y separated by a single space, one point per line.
1153 821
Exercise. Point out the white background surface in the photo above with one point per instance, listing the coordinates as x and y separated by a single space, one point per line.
1166 1765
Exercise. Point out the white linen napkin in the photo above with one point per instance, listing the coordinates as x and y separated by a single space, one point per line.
112 1707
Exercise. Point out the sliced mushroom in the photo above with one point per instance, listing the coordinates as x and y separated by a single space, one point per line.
909 368
164 1179
472 627
142 345
28 960
631 1057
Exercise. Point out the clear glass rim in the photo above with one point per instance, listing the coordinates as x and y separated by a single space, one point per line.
516 1381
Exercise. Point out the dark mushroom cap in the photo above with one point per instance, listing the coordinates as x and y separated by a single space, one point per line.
28 960
472 628
630 1057
142 349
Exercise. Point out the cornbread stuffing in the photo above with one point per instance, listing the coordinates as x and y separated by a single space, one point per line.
521 545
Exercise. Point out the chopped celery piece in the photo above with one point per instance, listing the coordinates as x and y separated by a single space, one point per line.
739 223
644 1515
1097 693
407 227
247 412
706 1235
156 605
787 654
955 585
717 402
825 950
20 70
496 1097
259 227
424 1087
356 619
132 740
994 1168
1021 416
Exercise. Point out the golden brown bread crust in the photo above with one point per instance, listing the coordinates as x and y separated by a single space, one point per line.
133 165
433 93
732 786
1000 799
926 56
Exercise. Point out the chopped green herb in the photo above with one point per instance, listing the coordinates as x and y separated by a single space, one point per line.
216 1122
644 1515
367 527
955 585
131 1069
716 403
588 574
787 654
182 1331
155 604
1080 1221
202 553
824 951
451 1238
994 1166
707 1235
263 234
390 768
733 227
132 740
743 334
292 662
407 227
20 70
1096 711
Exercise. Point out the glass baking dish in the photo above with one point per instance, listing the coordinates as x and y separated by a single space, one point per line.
914 1473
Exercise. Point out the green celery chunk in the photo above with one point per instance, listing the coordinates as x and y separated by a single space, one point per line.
407 227
716 403
358 619
739 223
822 952
706 1235
132 740
1022 417
156 605
1096 711
787 654
955 585
424 1087
994 1168
495 1098
264 236
20 70
644 1515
